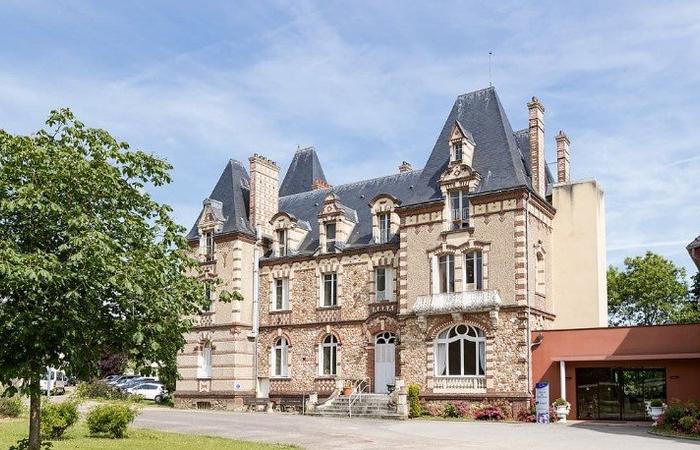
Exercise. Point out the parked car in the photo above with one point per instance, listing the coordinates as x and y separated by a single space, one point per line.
133 382
110 378
53 381
149 390
121 379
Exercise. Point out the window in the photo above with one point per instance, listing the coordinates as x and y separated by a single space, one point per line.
209 295
328 355
204 363
540 280
474 271
280 351
459 207
209 246
281 297
282 242
383 283
330 237
330 286
458 150
447 273
460 351
384 227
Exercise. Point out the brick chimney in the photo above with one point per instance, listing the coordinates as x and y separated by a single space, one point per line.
562 157
264 192
405 167
536 134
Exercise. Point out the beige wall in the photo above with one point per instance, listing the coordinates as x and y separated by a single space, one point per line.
579 262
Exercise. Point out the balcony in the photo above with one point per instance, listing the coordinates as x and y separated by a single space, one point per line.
457 302
454 384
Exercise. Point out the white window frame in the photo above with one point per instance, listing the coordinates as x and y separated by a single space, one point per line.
388 293
279 369
384 227
282 242
330 243
285 294
449 274
209 245
457 145
443 339
461 213
204 363
334 289
329 342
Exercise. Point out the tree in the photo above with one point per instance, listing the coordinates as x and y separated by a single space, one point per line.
651 290
89 262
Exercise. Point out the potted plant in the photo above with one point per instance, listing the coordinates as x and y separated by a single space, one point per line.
347 387
562 408
656 408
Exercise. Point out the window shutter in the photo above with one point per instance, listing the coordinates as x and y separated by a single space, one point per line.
436 275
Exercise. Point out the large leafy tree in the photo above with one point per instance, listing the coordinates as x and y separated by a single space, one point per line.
90 263
650 290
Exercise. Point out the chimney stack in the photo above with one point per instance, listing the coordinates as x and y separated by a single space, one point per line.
405 167
264 192
536 135
562 157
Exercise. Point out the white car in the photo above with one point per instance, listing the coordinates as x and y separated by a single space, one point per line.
149 391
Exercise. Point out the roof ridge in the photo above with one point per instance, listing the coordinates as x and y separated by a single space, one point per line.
477 91
356 182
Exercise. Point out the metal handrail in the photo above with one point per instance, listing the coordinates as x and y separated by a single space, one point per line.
360 387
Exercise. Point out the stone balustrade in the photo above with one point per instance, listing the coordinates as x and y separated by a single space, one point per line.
457 302
461 384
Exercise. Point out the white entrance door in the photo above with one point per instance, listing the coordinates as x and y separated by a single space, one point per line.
384 361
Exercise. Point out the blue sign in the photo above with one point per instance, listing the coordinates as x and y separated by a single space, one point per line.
542 402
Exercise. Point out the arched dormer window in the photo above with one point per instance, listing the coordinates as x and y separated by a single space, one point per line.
460 351
385 221
289 233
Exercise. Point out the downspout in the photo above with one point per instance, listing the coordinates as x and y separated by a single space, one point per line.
256 316
527 293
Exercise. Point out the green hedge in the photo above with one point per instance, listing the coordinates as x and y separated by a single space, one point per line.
56 418
11 406
111 420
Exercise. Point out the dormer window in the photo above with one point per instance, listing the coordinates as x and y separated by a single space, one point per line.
330 237
457 150
209 246
459 209
384 227
282 243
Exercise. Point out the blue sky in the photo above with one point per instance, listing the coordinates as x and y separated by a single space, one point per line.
370 84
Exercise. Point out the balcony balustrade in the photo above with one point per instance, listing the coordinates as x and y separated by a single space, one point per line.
457 302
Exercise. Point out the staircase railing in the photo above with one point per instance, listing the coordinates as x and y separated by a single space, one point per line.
360 387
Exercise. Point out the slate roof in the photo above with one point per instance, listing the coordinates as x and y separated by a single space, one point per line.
501 157
304 169
695 243
233 191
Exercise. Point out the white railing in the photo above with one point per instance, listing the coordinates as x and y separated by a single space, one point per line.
360 387
467 301
459 384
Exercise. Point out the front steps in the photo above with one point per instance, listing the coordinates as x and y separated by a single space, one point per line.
376 406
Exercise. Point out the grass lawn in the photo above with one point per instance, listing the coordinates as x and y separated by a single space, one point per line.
11 430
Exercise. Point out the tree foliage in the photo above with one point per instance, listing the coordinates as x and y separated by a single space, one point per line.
90 263
651 290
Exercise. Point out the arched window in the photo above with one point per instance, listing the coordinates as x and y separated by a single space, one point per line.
204 361
540 275
460 351
328 356
279 366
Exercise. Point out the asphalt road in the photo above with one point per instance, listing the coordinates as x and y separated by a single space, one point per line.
344 433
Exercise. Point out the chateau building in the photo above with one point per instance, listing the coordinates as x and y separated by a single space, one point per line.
437 275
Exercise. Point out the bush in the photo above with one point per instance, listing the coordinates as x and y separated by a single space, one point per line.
414 407
450 411
687 423
560 402
673 414
11 406
112 420
656 403
99 390
527 414
57 417
433 409
463 409
489 412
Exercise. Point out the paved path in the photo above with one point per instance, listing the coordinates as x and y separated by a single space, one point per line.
343 433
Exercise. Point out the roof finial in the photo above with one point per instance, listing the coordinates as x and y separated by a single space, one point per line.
490 55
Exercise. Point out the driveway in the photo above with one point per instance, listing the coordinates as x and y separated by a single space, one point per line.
344 433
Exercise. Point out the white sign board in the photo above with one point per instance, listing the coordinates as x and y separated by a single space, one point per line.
542 402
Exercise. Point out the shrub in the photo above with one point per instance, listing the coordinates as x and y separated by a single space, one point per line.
56 418
656 403
99 390
450 411
23 444
433 409
112 420
11 406
560 402
489 412
463 409
671 417
687 423
414 406
527 414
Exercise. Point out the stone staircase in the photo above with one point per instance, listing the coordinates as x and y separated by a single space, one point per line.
378 406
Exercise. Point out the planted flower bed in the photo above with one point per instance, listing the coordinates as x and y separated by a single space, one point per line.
679 419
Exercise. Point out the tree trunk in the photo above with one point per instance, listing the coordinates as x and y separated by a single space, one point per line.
34 414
